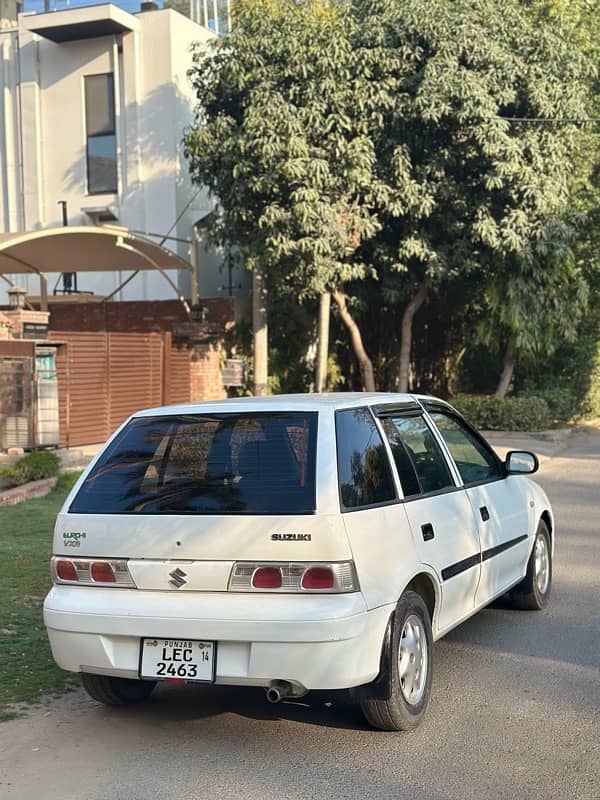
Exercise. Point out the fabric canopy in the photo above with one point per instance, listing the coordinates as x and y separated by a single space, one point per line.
82 249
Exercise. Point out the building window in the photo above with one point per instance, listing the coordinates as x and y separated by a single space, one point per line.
101 145
213 14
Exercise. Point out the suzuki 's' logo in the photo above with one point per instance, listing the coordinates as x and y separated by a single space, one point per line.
177 578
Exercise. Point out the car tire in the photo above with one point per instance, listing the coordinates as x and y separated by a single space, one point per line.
410 686
534 590
116 691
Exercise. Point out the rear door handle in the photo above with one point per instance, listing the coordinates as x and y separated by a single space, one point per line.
485 514
427 531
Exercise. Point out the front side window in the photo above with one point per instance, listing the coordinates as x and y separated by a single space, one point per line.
364 472
100 129
476 463
419 460
261 463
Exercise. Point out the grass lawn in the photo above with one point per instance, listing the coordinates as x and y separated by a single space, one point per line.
27 671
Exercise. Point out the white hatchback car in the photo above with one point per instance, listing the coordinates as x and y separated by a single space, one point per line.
294 543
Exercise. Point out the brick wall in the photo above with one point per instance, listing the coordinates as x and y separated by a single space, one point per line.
135 316
5 327
205 373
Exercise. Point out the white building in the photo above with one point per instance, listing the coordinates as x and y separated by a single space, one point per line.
94 102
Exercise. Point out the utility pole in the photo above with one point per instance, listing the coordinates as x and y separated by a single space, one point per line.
323 342
260 333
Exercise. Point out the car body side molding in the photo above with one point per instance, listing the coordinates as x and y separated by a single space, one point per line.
478 558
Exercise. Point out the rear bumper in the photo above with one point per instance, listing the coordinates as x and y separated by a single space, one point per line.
316 642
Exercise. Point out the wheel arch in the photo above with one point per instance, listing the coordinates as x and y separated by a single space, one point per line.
425 585
546 517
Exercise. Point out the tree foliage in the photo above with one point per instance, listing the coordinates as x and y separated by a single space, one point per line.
391 151
277 144
467 187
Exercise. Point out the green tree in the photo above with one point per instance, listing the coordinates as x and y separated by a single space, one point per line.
385 140
465 188
279 141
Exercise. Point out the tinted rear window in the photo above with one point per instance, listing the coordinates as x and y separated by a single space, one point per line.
260 463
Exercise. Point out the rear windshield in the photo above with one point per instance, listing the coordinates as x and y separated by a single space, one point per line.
259 463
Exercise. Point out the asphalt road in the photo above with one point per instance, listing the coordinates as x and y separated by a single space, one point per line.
515 711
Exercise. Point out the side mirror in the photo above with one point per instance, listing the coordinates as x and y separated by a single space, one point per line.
520 462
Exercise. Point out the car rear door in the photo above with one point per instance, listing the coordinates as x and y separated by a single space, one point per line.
443 525
499 503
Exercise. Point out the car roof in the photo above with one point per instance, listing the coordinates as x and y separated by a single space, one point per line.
287 402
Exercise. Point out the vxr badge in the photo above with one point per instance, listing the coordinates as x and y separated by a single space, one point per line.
177 578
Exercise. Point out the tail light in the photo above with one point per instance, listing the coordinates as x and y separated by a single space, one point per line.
65 571
267 578
92 572
318 578
102 572
293 577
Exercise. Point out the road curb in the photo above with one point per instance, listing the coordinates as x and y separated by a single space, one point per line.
545 444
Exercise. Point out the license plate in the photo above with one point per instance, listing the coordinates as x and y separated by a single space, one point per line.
179 659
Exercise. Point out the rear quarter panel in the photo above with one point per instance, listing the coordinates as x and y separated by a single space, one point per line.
383 550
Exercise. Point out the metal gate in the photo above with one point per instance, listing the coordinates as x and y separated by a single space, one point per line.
105 377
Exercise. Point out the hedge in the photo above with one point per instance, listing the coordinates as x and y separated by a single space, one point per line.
32 467
504 414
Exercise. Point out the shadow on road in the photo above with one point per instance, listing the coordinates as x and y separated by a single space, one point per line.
555 634
173 703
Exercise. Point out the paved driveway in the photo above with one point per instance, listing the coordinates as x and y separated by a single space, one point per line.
515 711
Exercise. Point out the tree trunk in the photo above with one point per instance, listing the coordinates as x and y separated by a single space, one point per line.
406 336
364 362
260 333
323 343
507 372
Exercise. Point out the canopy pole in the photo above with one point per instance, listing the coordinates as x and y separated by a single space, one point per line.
194 295
43 292
121 243
121 286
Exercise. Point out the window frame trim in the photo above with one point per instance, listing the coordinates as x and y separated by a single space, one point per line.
436 493
407 407
400 496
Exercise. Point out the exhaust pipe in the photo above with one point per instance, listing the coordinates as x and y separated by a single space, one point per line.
278 691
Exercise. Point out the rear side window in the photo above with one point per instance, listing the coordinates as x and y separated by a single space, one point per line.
421 465
364 470
260 463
